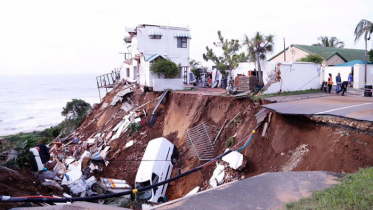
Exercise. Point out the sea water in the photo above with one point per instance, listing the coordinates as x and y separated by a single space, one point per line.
35 102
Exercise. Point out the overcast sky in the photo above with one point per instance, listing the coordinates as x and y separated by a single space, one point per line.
63 37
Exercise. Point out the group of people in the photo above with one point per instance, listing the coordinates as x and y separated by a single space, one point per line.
341 86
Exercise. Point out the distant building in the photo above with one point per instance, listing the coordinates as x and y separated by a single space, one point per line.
332 56
147 43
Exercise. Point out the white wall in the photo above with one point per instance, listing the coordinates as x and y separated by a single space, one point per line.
162 84
294 76
359 75
334 70
166 46
243 68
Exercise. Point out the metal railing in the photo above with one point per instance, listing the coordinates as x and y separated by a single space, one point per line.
199 141
107 80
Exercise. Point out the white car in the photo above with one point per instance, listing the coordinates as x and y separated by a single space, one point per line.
156 166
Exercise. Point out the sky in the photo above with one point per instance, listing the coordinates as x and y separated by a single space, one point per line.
79 37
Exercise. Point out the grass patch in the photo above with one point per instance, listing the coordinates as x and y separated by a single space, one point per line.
291 93
355 192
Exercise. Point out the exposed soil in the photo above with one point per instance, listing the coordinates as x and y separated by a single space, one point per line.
291 142
21 183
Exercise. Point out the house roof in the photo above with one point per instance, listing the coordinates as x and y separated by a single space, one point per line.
328 52
353 63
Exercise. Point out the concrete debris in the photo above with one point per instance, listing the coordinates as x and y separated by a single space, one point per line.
192 192
91 140
122 126
234 159
104 105
118 98
12 155
118 125
296 157
104 152
260 116
129 144
69 160
71 176
218 176
265 129
128 105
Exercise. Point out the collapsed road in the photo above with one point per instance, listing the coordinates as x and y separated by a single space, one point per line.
111 146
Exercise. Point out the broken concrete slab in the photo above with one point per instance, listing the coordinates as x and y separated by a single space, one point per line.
265 129
127 105
119 96
235 159
192 192
218 175
71 176
129 144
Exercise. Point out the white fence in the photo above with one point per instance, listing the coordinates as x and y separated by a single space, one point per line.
295 76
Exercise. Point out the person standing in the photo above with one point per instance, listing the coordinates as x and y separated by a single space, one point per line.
350 80
330 83
338 81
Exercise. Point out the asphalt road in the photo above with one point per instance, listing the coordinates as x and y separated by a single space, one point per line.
266 191
354 107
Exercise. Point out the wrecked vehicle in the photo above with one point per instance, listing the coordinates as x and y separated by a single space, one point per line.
156 166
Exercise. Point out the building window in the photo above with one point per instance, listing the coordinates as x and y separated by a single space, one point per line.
128 72
182 42
155 36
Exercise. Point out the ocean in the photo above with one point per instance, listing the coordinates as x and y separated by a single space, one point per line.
35 102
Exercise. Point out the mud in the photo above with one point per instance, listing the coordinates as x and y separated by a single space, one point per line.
291 143
21 183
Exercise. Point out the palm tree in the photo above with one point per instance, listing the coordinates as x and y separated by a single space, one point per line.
330 42
364 27
257 48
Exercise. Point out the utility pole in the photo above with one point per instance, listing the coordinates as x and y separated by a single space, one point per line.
284 51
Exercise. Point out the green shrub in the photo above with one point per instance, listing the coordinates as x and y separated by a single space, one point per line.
164 67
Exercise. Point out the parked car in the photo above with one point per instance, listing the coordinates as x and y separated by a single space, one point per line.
156 166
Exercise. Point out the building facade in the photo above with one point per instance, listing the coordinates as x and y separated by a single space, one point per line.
147 43
332 56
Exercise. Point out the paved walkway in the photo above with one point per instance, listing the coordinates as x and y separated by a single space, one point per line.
266 191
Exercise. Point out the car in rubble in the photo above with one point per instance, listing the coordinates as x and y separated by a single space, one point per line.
156 166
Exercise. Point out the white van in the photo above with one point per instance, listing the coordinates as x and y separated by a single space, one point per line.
156 166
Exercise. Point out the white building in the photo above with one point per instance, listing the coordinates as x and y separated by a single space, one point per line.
146 43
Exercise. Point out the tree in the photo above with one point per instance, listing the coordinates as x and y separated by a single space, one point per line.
364 27
75 112
257 48
312 58
166 67
230 59
194 68
329 42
